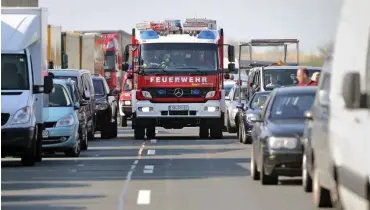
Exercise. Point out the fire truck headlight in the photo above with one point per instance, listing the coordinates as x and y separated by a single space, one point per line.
146 94
211 108
210 94
145 109
127 102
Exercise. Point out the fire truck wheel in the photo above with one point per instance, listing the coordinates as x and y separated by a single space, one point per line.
139 132
123 122
216 132
203 132
114 131
150 132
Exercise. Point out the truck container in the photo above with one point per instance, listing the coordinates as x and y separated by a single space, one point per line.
114 43
54 52
25 84
92 48
71 50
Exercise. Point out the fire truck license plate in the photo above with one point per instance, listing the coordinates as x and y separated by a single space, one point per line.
45 134
178 108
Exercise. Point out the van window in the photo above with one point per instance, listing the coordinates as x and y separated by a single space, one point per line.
14 72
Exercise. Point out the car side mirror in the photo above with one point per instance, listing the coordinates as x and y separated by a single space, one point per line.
308 115
87 95
77 106
48 84
231 53
256 118
240 106
83 103
129 76
351 91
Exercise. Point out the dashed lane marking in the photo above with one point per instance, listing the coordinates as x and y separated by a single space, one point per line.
151 152
143 197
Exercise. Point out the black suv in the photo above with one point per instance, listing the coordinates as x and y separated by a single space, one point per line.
83 78
106 108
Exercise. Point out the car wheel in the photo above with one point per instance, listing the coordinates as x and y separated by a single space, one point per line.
75 151
254 171
139 133
306 178
114 127
216 132
203 132
267 179
150 132
39 152
91 133
240 132
320 195
228 125
105 130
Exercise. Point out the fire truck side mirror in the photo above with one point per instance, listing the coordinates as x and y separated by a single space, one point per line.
125 66
231 53
231 67
126 54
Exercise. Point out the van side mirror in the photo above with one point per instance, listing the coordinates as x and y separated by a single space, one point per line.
351 91
231 67
126 54
48 84
231 53
64 60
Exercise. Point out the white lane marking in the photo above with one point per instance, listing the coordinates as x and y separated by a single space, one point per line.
148 171
153 141
143 197
80 165
149 167
125 186
151 152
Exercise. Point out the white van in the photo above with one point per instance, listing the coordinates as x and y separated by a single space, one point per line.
349 125
23 84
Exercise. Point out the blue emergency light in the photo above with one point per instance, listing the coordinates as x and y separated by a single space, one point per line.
161 92
195 92
149 34
207 34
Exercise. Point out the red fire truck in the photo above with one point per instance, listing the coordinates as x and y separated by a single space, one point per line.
178 80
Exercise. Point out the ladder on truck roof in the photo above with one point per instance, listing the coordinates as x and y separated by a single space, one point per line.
267 43
194 26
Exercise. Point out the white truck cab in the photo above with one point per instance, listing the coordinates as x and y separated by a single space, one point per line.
349 124
23 84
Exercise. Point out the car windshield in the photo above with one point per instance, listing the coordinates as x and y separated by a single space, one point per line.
291 106
179 57
59 97
243 94
98 87
110 61
258 101
14 72
274 78
66 77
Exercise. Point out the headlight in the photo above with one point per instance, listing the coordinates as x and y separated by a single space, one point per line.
145 109
67 120
211 108
127 103
282 142
103 106
22 116
210 94
251 117
146 94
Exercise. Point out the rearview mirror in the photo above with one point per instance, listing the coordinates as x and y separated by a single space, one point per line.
308 115
231 53
48 84
240 106
126 54
77 106
351 91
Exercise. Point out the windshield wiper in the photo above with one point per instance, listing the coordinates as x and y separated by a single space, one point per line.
196 69
161 68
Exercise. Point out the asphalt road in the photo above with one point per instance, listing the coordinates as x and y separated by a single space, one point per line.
176 171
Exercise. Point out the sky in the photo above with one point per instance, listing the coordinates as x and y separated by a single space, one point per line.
313 22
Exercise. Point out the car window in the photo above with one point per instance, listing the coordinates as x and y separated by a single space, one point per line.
99 87
84 83
90 84
291 106
128 85
258 100
76 93
237 93
59 97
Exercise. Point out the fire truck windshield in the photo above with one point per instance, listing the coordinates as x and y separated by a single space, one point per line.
179 57
110 61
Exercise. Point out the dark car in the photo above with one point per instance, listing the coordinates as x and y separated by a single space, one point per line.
85 86
276 134
106 108
247 112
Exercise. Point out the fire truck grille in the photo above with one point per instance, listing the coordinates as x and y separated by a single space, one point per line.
178 92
